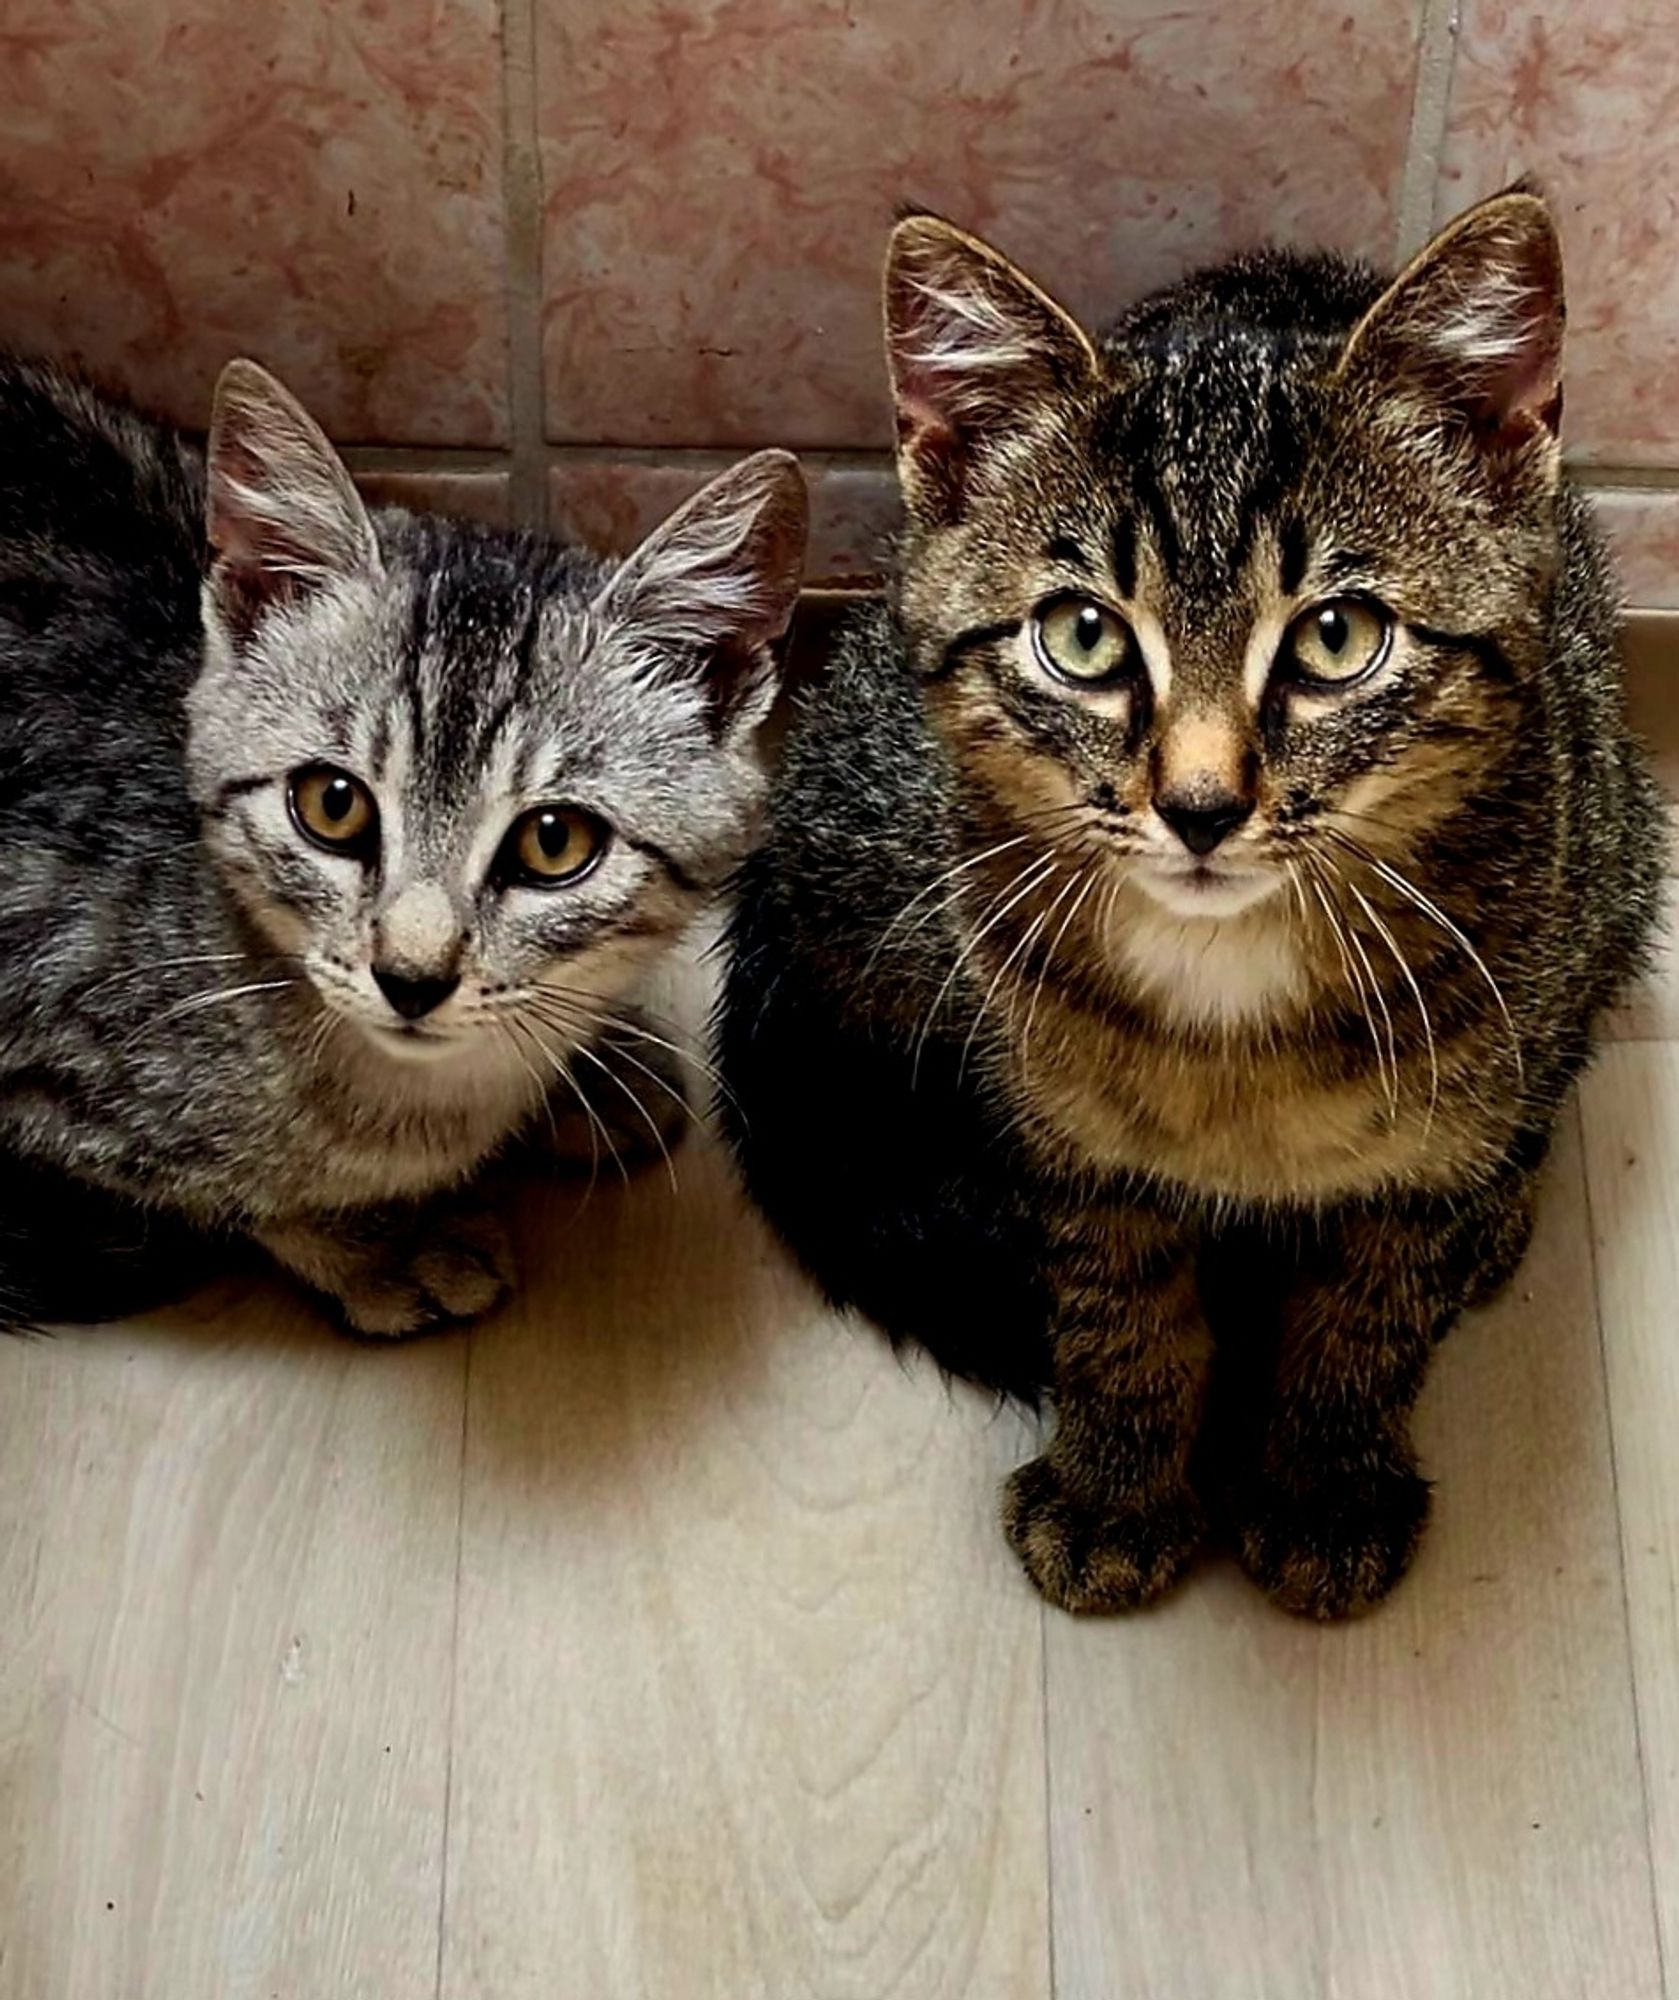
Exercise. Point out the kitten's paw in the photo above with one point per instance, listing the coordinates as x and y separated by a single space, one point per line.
1086 1558
464 1270
1336 1548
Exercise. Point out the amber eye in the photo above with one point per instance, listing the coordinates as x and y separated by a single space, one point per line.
554 845
1337 643
1084 642
333 809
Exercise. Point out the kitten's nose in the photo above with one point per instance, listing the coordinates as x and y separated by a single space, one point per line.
1201 820
413 998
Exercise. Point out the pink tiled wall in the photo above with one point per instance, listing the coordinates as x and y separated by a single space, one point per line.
561 258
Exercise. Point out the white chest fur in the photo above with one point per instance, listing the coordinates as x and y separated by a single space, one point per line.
1230 972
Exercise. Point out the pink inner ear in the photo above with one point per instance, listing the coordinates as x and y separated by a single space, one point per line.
1524 388
924 425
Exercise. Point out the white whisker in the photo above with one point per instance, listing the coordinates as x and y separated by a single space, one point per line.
1400 960
945 875
1409 889
646 1116
1023 943
1036 873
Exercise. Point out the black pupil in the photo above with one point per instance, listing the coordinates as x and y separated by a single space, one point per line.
338 799
1333 631
553 835
1088 630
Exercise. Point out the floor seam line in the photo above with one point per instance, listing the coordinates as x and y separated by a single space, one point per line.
1620 1543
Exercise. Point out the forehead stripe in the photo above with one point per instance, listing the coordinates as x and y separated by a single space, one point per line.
1125 556
668 862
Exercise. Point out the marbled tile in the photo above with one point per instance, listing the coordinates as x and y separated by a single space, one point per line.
473 496
611 503
320 186
1586 98
1644 528
720 176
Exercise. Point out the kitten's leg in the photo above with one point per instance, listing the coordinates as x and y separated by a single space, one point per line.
1498 1254
1329 1517
399 1270
636 1097
1106 1518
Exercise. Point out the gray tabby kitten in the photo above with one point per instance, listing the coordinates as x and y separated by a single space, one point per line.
335 844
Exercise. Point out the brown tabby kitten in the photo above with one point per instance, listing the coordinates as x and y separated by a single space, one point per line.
1186 909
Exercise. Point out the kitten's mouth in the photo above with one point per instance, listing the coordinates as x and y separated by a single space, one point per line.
1207 888
413 1041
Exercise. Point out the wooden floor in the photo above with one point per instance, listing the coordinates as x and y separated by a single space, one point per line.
657 1642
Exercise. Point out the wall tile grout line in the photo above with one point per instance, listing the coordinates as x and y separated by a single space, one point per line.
418 460
1430 105
708 457
522 195
1626 478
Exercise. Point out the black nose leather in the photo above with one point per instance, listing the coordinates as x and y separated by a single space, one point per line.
1201 824
414 997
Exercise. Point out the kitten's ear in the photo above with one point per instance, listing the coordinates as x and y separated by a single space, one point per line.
975 350
283 518
1471 331
713 588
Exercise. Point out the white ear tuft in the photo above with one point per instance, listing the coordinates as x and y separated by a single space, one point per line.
713 588
1471 331
283 516
975 350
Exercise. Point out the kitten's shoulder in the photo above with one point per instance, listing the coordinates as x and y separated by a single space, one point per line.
859 815
860 759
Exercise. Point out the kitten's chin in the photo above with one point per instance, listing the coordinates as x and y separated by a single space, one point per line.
420 1047
1200 890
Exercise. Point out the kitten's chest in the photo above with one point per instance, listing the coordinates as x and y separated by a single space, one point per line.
360 1135
1250 1116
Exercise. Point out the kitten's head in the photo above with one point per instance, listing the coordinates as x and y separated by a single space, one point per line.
475 782
1258 570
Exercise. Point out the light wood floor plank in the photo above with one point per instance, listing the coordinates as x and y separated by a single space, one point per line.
1439 1803
1631 1112
750 1694
227 1565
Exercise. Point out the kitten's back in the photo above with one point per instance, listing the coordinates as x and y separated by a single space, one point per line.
100 553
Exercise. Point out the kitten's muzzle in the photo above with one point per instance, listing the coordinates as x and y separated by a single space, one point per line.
414 998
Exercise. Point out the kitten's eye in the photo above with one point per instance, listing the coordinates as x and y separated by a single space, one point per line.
554 845
333 809
1081 641
1337 643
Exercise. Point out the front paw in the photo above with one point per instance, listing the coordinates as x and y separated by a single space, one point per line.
1337 1546
1098 1557
456 1274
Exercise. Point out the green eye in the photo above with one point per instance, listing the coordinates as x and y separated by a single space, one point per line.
333 809
1337 643
1084 642
554 845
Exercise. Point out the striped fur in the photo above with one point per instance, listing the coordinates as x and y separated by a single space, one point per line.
1211 1146
192 1039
